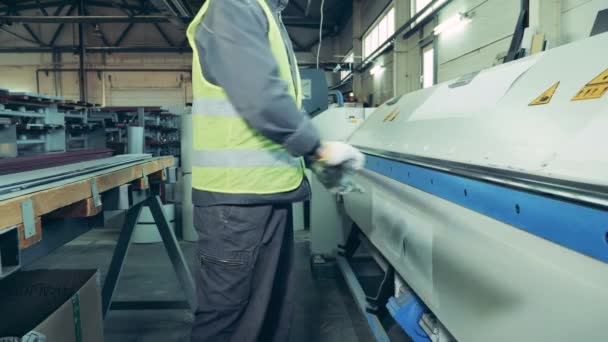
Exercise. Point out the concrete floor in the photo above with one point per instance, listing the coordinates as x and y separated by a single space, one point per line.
325 310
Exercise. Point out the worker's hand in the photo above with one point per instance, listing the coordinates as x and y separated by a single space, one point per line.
334 153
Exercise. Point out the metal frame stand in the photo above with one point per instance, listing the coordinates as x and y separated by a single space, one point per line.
377 305
353 242
369 311
173 250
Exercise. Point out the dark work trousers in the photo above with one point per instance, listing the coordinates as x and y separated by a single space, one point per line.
245 283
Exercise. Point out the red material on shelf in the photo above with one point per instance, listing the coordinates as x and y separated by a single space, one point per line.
22 164
3 96
130 109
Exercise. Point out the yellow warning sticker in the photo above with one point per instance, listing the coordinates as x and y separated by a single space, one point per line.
391 116
594 89
545 97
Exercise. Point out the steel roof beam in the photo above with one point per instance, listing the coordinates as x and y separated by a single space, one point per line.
288 21
32 6
297 6
306 22
84 19
42 8
23 6
97 49
11 9
61 26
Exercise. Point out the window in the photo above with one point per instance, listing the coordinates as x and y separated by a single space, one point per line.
390 22
428 66
419 5
350 58
379 33
367 46
374 40
383 28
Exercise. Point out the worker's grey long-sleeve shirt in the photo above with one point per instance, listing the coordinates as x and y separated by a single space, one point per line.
234 50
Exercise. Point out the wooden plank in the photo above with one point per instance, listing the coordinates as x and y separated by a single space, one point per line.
113 163
84 208
140 184
51 199
25 243
159 175
538 43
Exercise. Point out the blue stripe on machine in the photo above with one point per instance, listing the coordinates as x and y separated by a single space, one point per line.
580 228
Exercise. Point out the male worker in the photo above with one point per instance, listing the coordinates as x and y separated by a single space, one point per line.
249 139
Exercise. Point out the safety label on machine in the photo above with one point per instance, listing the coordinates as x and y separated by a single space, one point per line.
594 89
545 97
391 116
306 89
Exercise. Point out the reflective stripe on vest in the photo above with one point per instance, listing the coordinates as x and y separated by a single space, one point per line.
214 107
229 155
245 158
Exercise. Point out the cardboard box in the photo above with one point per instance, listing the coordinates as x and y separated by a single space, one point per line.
51 306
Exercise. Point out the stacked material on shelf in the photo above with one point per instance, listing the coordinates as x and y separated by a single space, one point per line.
21 164
35 124
32 180
161 127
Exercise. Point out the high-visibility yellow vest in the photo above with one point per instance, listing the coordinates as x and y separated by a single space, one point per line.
229 155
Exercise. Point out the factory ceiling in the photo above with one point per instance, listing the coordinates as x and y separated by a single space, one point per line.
108 24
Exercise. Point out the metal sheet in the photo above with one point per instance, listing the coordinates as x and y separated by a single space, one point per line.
29 220
554 220
95 193
601 23
64 174
491 282
511 135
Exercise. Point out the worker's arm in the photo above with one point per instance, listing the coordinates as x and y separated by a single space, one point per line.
235 54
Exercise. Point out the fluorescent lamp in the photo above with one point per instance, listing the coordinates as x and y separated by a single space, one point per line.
377 70
439 3
452 24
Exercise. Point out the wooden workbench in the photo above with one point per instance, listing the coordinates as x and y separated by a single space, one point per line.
74 196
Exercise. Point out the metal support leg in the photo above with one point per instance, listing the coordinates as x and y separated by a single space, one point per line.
372 308
118 259
352 243
173 250
359 295
10 260
377 305
175 253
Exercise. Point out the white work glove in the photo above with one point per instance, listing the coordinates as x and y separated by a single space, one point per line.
333 153
335 165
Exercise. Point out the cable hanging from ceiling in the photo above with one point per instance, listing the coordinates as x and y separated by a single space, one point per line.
320 32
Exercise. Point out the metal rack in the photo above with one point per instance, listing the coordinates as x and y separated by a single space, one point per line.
33 124
82 133
73 205
162 127
162 133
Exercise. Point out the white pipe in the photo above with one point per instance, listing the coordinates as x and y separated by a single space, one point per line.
135 140
188 231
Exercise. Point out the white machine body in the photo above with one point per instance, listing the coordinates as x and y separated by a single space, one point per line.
484 279
334 124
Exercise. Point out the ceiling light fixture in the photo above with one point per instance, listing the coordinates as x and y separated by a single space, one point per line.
452 24
377 70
